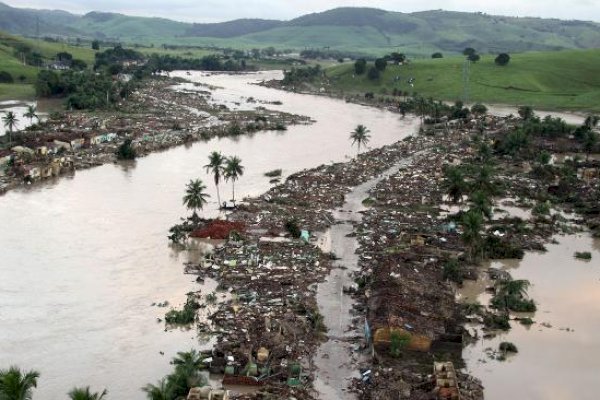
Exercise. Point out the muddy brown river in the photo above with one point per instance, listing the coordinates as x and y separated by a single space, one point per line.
83 258
558 356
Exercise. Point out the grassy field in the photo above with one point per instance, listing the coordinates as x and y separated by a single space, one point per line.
568 80
9 62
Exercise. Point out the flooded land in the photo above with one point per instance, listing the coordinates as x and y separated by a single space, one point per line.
85 256
352 276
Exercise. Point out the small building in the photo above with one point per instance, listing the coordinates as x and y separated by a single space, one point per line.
77 144
207 393
23 150
446 381
31 172
41 150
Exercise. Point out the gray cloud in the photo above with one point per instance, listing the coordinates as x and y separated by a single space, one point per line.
214 10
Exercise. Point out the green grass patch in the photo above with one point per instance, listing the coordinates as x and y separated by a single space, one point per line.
550 80
16 92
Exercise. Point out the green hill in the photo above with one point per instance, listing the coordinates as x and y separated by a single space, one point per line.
25 75
551 80
357 30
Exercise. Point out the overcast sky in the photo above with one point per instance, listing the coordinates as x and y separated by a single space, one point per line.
222 10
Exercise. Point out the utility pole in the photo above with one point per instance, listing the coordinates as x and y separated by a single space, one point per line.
466 80
37 28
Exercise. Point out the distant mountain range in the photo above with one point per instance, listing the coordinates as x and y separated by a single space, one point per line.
365 30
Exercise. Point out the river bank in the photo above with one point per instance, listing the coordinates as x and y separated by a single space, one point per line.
158 116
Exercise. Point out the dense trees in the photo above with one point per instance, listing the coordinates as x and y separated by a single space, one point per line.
437 55
297 75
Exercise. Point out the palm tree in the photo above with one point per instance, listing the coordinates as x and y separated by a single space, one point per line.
195 197
508 289
31 113
360 135
10 121
233 170
16 384
591 121
215 166
161 391
85 394
481 203
189 364
472 224
454 184
514 287
483 180
590 141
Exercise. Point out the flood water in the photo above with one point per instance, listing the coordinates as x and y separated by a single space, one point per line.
19 108
559 359
83 258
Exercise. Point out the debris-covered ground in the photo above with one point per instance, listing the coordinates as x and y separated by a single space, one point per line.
413 251
155 117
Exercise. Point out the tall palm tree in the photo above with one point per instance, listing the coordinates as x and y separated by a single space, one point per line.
195 198
591 121
360 135
10 121
233 171
31 113
86 394
215 166
472 223
482 204
16 384
161 391
454 184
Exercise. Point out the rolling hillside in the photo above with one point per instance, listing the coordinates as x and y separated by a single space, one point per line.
551 80
366 30
25 75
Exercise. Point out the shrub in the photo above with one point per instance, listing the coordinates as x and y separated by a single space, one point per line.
502 59
6 77
126 151
373 74
508 347
185 316
583 255
437 55
292 227
398 341
452 271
